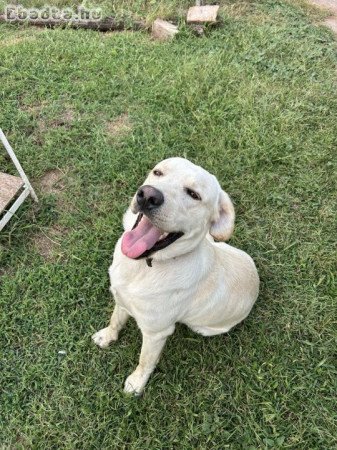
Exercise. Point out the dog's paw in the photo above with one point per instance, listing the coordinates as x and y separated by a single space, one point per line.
135 384
104 336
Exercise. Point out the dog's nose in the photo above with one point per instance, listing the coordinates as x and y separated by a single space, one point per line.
148 198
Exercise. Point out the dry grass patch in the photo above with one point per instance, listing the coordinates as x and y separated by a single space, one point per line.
35 109
51 182
46 243
22 36
44 122
119 126
55 182
64 120
326 5
13 41
328 9
331 22
66 117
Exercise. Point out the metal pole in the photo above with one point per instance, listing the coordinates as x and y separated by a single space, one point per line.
15 160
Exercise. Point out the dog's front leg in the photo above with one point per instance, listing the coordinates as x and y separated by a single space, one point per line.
152 346
106 335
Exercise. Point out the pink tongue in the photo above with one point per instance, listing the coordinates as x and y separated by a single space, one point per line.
140 239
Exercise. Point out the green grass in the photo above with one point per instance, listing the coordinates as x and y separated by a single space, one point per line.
255 103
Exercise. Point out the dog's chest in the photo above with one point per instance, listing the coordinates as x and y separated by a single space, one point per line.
136 279
151 293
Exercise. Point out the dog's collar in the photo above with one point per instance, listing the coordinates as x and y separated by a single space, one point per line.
149 261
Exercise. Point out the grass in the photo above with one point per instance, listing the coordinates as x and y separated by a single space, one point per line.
88 115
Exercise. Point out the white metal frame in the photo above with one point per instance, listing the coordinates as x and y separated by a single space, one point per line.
27 187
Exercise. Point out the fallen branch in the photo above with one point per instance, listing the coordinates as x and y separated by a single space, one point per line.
106 24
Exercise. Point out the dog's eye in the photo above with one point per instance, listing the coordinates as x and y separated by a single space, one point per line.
193 194
157 173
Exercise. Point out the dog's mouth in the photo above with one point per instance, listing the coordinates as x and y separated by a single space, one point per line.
145 239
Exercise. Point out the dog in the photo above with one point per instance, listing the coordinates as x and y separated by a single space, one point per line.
169 267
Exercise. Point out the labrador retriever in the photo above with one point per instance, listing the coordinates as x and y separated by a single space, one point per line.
167 267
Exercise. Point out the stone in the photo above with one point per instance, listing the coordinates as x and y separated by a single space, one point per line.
202 14
163 30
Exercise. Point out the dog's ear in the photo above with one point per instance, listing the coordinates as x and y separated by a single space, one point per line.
222 225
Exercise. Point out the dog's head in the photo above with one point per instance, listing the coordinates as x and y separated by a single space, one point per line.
178 204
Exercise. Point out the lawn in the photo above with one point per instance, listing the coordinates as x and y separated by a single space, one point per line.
254 102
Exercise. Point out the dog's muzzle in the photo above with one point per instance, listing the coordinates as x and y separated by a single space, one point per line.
149 198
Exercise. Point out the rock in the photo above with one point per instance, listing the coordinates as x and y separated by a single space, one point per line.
162 30
198 29
202 14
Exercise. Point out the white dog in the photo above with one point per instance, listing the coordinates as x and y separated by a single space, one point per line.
168 269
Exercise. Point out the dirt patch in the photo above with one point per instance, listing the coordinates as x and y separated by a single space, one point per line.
66 117
329 5
46 119
56 182
16 41
119 126
46 243
331 23
51 182
34 109
64 120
